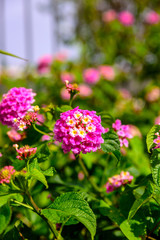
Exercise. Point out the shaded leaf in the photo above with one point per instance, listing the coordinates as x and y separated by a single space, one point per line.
5 216
151 136
71 205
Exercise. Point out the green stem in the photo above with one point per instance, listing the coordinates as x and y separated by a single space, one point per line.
38 130
93 184
38 211
22 204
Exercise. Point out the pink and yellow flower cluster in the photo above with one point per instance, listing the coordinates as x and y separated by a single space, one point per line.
123 132
118 180
15 104
6 174
79 131
157 140
24 152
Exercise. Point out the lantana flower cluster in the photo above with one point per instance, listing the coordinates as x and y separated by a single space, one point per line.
79 131
15 104
24 152
157 140
118 180
6 174
123 132
29 118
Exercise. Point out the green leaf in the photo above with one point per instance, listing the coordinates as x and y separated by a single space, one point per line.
146 196
106 118
38 175
65 108
71 205
155 166
111 144
12 55
42 153
5 216
116 216
151 136
5 197
12 234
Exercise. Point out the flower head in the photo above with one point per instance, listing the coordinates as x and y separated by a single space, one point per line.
15 104
67 76
91 75
126 18
118 180
14 136
82 134
107 72
123 132
157 140
152 17
109 16
6 174
44 64
24 152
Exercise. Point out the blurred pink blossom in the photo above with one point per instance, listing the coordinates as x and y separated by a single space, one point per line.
1 154
64 94
125 94
152 17
44 64
134 131
123 132
91 75
84 90
45 138
109 15
60 56
157 120
153 95
126 18
67 76
107 72
80 175
40 119
14 136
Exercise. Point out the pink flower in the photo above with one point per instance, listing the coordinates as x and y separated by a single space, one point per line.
80 175
152 17
72 129
84 90
109 16
157 140
67 76
1 154
134 131
91 75
40 119
15 104
126 18
44 64
118 180
24 152
107 72
125 94
64 94
14 136
6 174
123 132
60 57
157 120
153 95
45 138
